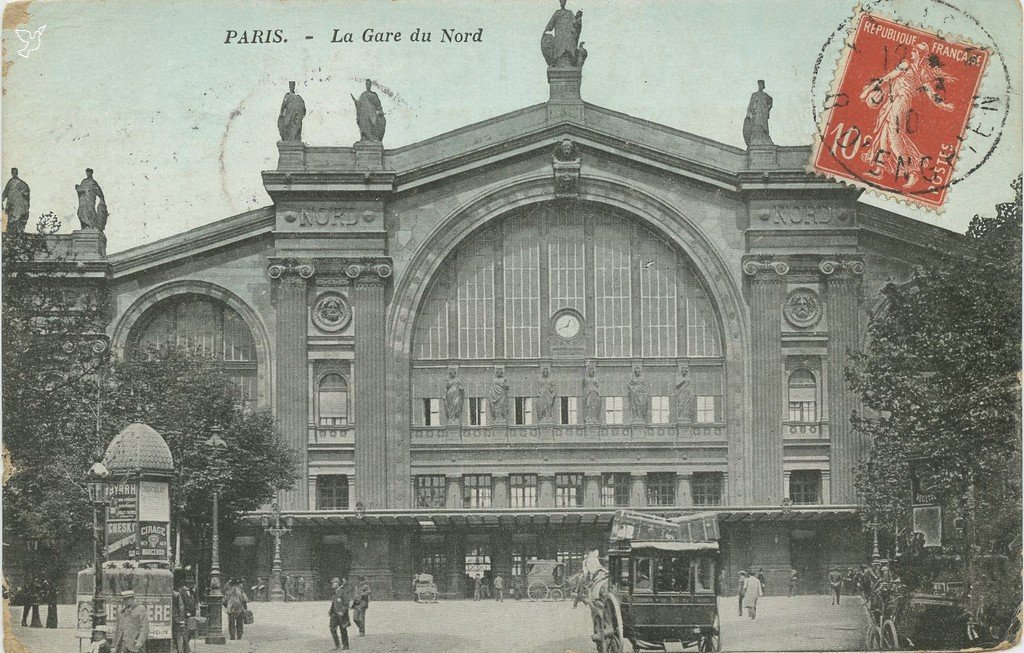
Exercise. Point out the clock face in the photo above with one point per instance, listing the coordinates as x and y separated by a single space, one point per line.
567 326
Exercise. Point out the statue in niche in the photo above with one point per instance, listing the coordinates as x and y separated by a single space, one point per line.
591 396
755 124
639 395
546 396
686 400
499 396
558 44
454 395
370 115
16 201
293 110
92 207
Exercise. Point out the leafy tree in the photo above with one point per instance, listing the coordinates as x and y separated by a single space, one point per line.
940 379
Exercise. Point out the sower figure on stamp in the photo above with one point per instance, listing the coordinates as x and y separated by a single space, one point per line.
891 148
338 612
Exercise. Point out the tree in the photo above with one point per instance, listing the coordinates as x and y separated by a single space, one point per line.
940 379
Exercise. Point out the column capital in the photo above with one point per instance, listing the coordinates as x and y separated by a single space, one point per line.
765 267
279 268
842 268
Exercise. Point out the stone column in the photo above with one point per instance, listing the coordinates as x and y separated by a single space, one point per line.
290 304
826 487
766 295
371 447
638 490
843 307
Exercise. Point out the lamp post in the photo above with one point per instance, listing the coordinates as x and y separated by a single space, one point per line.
214 597
276 592
96 482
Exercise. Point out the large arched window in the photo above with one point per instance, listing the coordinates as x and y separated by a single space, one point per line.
332 401
803 396
632 292
204 326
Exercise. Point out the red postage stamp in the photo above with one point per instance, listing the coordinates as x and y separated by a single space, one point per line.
897 114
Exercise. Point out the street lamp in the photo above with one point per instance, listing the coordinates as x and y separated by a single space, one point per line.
96 481
276 592
215 630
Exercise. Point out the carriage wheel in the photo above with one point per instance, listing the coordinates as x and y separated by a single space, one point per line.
556 594
711 642
430 596
608 628
537 591
890 638
874 639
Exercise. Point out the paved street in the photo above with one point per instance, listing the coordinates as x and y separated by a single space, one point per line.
806 623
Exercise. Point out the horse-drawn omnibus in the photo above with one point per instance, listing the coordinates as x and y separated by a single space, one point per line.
659 588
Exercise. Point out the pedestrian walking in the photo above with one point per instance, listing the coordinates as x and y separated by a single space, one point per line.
300 588
50 597
236 603
183 610
360 603
499 588
739 590
132 628
835 582
338 612
794 578
752 591
485 587
760 579
477 579
21 596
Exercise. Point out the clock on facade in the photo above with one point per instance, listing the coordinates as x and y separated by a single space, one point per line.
567 325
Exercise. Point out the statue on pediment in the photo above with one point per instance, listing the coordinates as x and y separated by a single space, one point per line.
92 207
499 396
559 42
16 201
686 400
591 396
370 115
293 110
454 394
546 396
755 124
639 395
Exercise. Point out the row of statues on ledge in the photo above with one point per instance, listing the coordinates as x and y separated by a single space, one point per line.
638 391
92 206
369 116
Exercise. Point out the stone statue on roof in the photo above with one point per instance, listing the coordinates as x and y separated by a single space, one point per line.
293 110
16 201
755 124
92 207
370 115
559 42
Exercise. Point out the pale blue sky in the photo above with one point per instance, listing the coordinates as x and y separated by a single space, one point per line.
178 125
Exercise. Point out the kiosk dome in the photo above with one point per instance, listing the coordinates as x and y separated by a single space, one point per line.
139 448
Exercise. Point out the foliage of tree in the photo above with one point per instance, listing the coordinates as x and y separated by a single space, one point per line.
939 379
65 398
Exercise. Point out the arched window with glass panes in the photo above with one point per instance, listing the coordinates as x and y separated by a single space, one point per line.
201 325
803 396
332 401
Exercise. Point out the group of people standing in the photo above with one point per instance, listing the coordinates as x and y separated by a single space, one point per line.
31 595
346 597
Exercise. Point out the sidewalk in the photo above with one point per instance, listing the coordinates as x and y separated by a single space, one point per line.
19 639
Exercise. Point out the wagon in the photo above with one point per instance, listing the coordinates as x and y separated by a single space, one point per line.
424 588
546 579
661 590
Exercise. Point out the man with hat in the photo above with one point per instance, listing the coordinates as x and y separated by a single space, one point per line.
338 612
132 625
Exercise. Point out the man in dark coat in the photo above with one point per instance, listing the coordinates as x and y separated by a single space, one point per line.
338 612
360 603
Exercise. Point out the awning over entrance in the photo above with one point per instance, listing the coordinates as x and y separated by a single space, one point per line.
427 519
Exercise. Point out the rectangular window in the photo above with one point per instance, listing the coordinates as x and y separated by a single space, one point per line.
571 555
567 410
613 316
431 491
613 410
519 562
332 492
802 411
659 410
477 407
661 489
478 560
476 491
432 326
709 409
432 412
706 488
805 486
615 490
522 293
658 295
435 564
702 335
568 490
524 490
524 411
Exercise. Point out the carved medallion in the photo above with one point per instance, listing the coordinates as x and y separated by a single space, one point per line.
803 308
332 312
